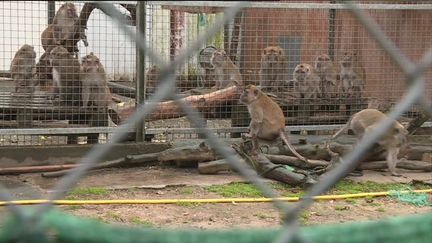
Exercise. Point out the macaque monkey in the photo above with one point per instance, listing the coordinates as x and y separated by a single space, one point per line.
227 73
63 30
22 68
44 70
365 121
274 65
152 76
352 75
267 119
64 23
47 38
66 75
326 71
307 81
93 79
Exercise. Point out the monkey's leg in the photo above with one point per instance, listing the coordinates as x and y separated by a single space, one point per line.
392 161
254 130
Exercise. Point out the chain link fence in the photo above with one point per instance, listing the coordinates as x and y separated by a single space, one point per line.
413 73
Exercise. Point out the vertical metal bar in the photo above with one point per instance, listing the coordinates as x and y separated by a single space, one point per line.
140 69
331 32
51 11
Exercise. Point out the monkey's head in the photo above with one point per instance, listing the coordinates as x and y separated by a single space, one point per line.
301 71
348 58
400 134
153 73
218 58
250 94
58 53
273 55
321 61
26 51
91 63
69 10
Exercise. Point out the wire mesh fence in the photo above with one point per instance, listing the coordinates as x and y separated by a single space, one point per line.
322 62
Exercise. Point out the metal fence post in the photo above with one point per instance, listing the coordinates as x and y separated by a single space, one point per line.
140 69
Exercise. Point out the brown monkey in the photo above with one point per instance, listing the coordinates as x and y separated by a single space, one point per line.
306 81
95 88
47 38
267 118
44 71
352 75
66 75
364 121
23 67
152 76
274 66
64 23
326 71
227 73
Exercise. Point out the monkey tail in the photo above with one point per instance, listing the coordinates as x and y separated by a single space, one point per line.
291 148
342 130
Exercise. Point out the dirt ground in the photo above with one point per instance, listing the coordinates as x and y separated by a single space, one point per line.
174 183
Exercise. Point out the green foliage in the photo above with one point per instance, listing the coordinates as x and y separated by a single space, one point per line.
235 189
139 222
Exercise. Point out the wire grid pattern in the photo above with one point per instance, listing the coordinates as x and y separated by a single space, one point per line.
166 89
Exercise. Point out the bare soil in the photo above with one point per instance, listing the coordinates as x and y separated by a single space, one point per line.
174 183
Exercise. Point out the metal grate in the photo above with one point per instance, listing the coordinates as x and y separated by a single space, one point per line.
385 42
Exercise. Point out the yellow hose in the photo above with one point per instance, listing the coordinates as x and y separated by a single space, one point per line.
214 200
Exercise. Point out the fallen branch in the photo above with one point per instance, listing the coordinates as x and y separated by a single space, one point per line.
407 164
127 161
294 161
187 156
34 169
169 109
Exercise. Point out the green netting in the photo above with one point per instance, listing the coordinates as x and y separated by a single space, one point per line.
412 198
61 227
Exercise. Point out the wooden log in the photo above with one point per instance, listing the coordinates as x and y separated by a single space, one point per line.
408 164
320 152
275 172
127 161
187 156
34 169
294 161
169 109
213 167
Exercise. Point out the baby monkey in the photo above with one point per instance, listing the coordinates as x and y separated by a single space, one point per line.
306 81
66 75
23 67
95 88
267 119
365 121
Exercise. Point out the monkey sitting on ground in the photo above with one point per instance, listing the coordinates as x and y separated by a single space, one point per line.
306 81
44 72
365 121
152 76
22 68
352 75
274 65
227 73
95 88
66 75
326 71
267 119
